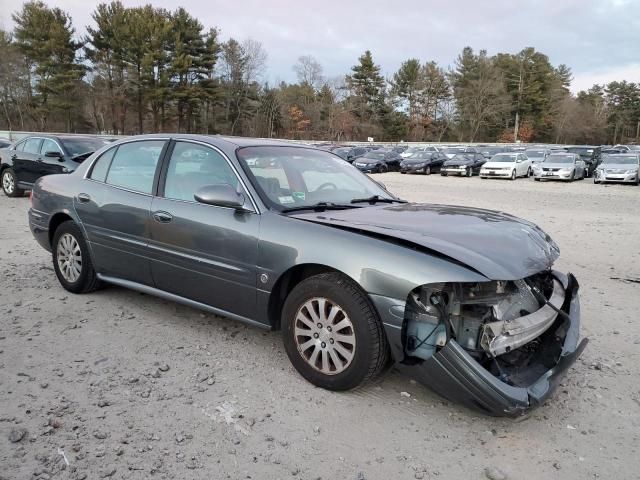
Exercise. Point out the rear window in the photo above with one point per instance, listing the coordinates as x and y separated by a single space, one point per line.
134 165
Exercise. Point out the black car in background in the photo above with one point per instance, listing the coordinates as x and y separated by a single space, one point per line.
4 143
39 155
423 162
590 155
378 161
350 153
463 164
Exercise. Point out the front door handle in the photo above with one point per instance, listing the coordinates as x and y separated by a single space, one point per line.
84 198
162 217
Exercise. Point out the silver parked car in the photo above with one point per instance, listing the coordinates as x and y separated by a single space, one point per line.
560 166
293 238
621 168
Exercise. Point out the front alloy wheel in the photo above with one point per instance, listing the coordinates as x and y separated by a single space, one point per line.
332 333
324 336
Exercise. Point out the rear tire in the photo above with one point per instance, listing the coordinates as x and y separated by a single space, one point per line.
427 170
537 179
444 174
332 356
71 259
469 172
10 184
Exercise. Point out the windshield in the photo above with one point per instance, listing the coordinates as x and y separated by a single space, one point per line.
453 151
504 157
376 155
581 151
491 150
78 146
559 159
460 158
421 155
534 153
294 176
620 159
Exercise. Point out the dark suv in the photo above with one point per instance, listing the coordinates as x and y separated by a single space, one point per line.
590 155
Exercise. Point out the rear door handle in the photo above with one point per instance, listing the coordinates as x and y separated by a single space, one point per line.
162 217
84 198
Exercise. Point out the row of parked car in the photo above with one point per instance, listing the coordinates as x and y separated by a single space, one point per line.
32 157
619 163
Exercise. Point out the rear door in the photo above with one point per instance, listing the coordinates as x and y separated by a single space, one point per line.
25 163
203 252
114 206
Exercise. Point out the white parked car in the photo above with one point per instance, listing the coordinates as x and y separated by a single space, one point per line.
507 165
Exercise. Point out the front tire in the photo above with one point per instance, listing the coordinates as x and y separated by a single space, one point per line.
10 184
71 259
514 175
469 172
427 170
332 333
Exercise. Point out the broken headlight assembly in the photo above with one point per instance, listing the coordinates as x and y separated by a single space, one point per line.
498 323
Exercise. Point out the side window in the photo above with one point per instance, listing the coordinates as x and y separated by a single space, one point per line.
193 166
101 167
32 145
134 165
49 145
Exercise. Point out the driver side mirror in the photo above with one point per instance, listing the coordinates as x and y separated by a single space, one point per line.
220 195
54 154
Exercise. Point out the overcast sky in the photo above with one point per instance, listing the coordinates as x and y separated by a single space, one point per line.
599 40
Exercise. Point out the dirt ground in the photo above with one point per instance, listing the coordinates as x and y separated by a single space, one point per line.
119 385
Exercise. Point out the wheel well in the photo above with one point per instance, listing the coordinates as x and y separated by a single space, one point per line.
55 222
287 281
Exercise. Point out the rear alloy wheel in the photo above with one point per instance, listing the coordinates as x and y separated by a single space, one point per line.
71 260
10 184
332 333
514 175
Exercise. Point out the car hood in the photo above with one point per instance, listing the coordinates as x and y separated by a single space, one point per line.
557 165
415 161
450 163
499 164
618 166
495 244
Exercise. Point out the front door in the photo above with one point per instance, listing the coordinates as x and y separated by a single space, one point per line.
49 165
203 252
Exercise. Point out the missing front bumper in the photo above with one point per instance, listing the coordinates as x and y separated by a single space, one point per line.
454 374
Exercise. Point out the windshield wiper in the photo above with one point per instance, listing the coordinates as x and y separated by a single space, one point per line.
319 207
377 198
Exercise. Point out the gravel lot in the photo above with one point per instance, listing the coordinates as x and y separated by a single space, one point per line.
124 385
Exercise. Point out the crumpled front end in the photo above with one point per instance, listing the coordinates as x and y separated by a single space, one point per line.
497 347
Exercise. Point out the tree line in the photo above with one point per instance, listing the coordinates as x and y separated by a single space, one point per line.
147 69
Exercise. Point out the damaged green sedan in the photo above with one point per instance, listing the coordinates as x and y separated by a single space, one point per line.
293 238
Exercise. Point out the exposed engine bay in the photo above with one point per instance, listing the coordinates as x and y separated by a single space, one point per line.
501 324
